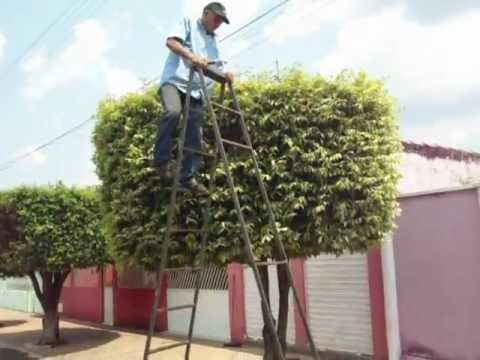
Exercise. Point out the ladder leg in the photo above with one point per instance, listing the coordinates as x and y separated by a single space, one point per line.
206 222
247 244
153 315
199 276
170 216
278 242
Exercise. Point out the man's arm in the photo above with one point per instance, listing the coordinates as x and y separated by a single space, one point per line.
177 47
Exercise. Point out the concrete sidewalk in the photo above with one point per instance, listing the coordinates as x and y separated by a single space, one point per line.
20 331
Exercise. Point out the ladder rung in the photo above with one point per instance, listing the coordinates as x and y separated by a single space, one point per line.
185 268
182 190
236 112
269 263
203 153
175 308
198 231
215 74
243 146
168 347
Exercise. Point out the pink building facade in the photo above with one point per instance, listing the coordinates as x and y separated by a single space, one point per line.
414 297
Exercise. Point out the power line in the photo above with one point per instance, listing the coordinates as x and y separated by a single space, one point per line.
63 15
8 164
261 16
96 7
73 15
253 31
265 38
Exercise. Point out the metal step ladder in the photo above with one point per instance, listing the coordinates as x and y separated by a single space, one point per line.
248 250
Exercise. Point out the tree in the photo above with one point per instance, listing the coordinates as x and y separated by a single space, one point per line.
47 232
8 233
328 149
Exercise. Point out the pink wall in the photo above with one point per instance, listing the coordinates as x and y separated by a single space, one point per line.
236 303
82 295
377 304
297 267
437 255
133 306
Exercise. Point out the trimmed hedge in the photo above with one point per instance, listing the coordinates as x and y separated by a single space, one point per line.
328 149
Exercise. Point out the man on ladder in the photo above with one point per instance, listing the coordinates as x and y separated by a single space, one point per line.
193 43
186 85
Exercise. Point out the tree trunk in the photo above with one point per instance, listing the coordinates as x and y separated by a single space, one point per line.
283 289
49 297
270 352
51 331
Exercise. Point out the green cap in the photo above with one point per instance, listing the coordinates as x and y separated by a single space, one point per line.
218 9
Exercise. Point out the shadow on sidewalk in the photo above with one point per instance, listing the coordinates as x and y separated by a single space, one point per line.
11 354
77 339
7 323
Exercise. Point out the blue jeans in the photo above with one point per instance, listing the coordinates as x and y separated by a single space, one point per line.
173 102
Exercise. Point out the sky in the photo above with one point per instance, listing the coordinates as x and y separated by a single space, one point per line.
425 51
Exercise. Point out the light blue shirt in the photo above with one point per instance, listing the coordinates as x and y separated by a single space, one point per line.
177 70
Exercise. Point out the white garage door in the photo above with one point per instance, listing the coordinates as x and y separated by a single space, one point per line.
339 303
212 320
213 317
253 306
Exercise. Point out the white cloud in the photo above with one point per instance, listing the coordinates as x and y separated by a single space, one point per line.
3 42
299 18
461 133
436 61
302 17
34 159
120 81
84 58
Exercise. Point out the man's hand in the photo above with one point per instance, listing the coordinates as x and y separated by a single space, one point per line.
230 77
199 61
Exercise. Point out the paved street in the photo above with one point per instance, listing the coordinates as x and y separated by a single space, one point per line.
20 331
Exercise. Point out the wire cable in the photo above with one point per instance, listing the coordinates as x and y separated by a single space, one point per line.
265 38
8 164
97 7
63 15
259 17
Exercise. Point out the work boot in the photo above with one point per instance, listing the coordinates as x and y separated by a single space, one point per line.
195 188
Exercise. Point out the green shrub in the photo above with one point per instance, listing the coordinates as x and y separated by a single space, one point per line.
328 149
60 229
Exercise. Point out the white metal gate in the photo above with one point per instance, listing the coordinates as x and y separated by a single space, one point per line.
253 306
338 301
213 318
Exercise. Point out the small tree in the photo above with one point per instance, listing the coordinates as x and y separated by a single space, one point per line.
58 229
8 233
328 149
